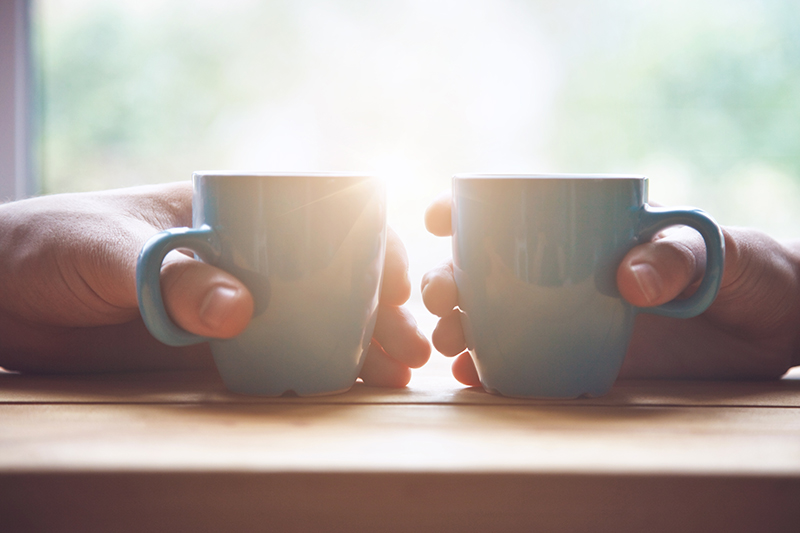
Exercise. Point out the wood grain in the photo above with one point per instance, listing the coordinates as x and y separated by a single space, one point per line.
379 502
176 452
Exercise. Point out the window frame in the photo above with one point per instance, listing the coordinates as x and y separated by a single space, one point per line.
17 179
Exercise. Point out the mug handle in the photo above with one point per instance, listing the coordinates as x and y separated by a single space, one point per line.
654 219
200 240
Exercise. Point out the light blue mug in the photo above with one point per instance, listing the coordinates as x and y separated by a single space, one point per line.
535 260
310 248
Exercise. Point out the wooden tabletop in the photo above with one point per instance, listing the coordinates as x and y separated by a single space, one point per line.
177 452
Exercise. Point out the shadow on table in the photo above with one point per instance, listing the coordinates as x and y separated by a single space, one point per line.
191 387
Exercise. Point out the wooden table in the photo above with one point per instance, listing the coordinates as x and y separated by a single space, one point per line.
176 452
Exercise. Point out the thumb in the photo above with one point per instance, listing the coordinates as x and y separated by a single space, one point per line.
654 273
203 299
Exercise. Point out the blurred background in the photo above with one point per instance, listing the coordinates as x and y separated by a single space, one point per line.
702 96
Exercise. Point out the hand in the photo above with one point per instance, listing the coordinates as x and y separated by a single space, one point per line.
751 331
68 289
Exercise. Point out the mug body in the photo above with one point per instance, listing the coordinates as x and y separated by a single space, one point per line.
535 260
310 248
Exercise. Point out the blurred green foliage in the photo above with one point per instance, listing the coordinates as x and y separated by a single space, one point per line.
126 95
702 95
714 85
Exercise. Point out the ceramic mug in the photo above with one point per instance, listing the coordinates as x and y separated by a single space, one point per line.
535 260
310 248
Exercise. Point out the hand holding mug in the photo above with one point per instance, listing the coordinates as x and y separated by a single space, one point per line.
68 289
750 331
310 249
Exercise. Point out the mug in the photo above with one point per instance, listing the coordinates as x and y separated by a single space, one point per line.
535 260
310 248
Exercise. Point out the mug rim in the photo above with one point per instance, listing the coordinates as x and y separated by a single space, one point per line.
550 176
277 174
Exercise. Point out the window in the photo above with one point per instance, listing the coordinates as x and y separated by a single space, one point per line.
16 176
703 96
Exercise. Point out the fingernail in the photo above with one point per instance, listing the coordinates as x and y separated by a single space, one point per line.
649 281
218 305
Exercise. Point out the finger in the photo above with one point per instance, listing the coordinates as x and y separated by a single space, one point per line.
464 370
382 370
396 288
205 300
396 331
448 336
656 272
439 291
437 216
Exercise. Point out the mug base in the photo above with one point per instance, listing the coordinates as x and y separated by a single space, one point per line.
587 395
289 392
